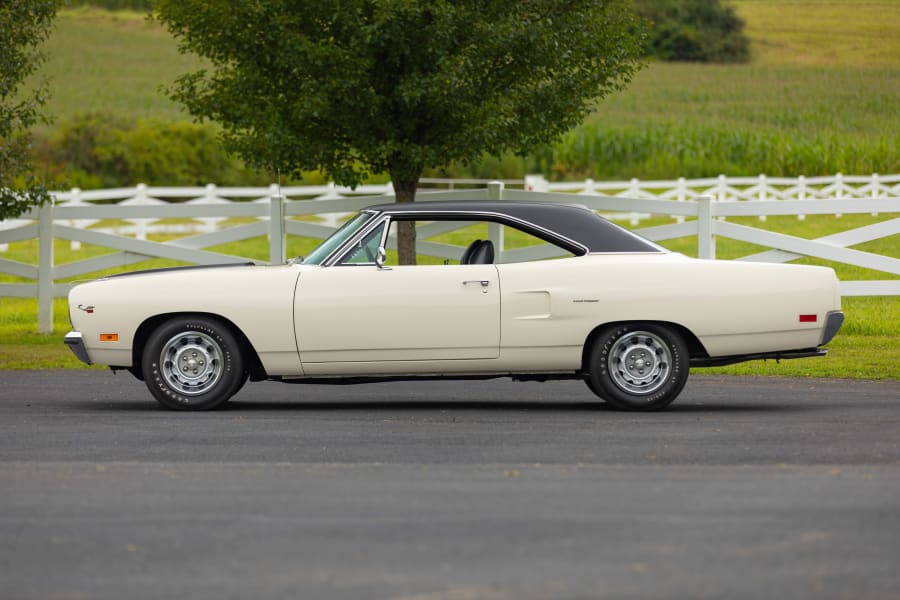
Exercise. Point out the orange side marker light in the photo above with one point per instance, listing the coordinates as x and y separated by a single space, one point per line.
109 337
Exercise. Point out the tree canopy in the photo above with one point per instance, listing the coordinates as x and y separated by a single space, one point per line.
355 87
24 25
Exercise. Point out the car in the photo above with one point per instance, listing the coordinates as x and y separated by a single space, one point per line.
530 291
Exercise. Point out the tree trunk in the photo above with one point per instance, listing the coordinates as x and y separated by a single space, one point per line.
405 191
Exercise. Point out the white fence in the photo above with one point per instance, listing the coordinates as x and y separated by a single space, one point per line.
698 207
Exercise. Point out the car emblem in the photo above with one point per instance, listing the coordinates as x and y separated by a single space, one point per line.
88 309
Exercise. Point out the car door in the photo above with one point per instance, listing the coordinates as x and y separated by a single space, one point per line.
411 314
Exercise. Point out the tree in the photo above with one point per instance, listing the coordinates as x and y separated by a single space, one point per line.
353 87
24 25
694 30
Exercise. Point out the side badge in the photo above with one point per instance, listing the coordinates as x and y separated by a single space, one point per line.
88 309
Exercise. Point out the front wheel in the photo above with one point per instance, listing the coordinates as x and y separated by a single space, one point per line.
639 366
193 363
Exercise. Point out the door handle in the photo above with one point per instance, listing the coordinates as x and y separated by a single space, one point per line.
483 282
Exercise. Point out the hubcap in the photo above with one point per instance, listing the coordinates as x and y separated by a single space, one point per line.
640 362
191 363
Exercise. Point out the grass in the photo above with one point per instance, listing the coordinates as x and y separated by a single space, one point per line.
100 60
825 33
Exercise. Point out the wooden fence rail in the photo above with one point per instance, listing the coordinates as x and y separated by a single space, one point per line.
702 215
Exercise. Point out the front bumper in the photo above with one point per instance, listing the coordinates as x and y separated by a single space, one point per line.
75 341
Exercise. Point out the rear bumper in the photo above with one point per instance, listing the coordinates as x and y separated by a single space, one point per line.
75 341
833 322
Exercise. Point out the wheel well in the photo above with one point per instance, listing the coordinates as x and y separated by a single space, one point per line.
146 329
695 348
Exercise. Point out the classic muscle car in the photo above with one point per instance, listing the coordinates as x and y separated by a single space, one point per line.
539 292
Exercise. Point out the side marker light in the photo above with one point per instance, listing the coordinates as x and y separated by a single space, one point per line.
809 318
109 337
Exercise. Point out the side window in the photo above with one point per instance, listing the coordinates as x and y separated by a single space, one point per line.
445 242
521 246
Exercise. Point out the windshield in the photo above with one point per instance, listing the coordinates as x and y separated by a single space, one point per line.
337 238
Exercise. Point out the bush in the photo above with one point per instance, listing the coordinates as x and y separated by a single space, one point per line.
694 30
138 5
101 150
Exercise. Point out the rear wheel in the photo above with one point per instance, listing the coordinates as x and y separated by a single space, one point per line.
193 363
639 366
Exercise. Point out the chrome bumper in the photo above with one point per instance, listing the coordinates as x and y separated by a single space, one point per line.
75 341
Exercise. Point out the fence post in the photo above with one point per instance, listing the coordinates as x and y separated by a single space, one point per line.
495 191
874 189
762 195
79 223
276 230
706 240
681 191
495 231
839 191
801 194
45 268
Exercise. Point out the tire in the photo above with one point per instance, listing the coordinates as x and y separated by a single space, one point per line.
211 366
590 384
639 366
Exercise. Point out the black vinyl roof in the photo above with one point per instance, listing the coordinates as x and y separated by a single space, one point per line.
575 228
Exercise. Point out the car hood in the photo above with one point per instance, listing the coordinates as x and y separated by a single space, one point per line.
172 269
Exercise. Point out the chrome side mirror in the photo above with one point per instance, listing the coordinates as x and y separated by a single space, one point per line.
380 255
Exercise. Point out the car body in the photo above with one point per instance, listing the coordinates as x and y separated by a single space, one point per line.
551 292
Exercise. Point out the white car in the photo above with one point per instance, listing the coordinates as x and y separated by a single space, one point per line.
540 292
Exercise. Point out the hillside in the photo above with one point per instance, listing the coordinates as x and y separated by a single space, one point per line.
821 94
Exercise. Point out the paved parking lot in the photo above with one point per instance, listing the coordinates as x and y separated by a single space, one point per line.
745 488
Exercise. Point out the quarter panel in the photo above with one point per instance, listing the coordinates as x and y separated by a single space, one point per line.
732 307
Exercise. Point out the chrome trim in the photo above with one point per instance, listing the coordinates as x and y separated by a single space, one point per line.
75 341
499 218
335 257
548 235
380 257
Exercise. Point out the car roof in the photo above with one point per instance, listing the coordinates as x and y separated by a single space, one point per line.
566 223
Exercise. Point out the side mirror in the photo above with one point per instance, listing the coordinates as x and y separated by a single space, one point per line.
380 255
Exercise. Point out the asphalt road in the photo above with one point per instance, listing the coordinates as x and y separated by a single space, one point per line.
744 488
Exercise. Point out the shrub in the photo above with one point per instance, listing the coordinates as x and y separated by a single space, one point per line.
138 5
694 30
102 150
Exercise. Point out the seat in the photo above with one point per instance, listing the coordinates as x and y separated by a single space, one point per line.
483 254
466 258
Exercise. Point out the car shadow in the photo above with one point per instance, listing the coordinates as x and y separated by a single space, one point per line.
301 406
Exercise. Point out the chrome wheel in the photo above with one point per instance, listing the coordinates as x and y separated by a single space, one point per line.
640 362
191 363
638 366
